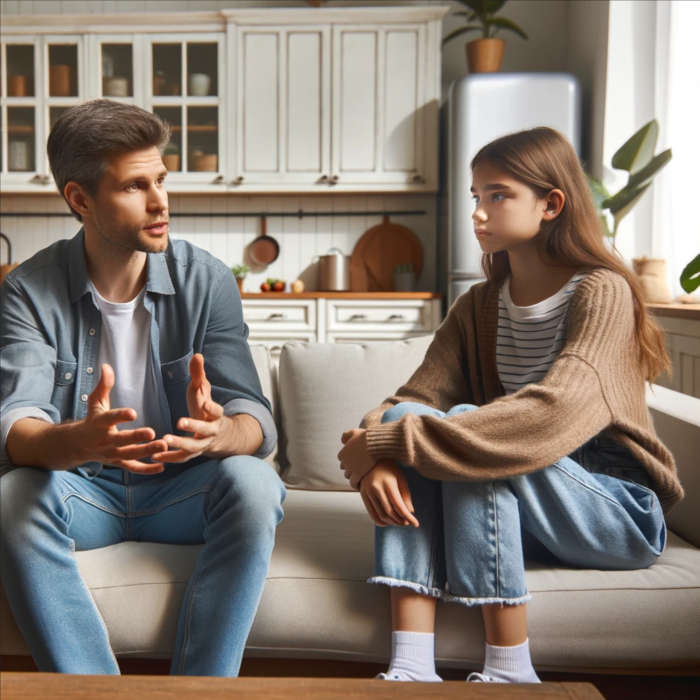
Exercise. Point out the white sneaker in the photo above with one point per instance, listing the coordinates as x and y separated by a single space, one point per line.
398 675
482 678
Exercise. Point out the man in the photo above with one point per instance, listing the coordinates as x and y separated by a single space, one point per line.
131 409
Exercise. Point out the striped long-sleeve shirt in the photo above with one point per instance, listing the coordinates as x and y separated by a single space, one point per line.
530 337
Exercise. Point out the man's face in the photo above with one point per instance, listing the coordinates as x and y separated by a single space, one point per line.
130 210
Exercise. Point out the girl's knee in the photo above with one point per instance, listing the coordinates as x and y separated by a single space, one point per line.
405 407
461 408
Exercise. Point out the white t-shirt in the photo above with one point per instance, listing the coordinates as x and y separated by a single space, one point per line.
530 337
125 345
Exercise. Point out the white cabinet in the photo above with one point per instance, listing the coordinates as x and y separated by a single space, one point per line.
283 105
274 321
259 99
379 133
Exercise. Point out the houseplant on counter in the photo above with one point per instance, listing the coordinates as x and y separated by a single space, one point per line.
636 157
240 272
484 55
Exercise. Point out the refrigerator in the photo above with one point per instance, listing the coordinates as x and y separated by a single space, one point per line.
479 109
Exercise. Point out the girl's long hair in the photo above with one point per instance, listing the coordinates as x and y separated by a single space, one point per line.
544 160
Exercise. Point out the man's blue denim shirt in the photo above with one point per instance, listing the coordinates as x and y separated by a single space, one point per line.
50 338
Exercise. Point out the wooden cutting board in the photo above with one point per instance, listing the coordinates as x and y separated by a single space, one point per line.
378 251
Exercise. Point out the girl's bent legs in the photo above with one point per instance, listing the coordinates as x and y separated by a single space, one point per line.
47 515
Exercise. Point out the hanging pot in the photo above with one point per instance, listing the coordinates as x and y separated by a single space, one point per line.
264 250
5 268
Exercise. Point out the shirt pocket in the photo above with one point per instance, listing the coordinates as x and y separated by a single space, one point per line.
176 377
64 387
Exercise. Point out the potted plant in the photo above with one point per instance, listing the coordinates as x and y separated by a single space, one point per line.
171 157
690 277
636 156
484 55
240 272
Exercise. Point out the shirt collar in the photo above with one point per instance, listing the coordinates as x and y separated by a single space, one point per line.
158 278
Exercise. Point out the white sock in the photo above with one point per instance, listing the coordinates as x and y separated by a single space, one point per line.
510 664
412 657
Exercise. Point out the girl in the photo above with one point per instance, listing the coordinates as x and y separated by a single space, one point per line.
554 349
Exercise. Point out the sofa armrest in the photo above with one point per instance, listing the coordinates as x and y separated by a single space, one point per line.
676 418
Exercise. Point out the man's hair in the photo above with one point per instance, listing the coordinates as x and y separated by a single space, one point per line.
85 136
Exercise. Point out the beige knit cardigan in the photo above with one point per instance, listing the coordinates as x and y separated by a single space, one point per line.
595 384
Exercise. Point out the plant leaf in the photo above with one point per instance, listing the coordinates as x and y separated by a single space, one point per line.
503 23
621 203
690 277
598 190
605 229
646 173
638 150
461 30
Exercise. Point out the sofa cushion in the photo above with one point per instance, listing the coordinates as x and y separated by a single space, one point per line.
263 364
326 389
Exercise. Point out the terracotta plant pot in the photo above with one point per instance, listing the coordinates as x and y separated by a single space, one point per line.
651 273
485 55
17 85
172 161
60 80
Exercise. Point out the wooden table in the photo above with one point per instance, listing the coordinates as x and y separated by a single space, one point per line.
40 686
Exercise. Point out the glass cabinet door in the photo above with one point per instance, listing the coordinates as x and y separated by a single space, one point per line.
19 114
186 93
117 69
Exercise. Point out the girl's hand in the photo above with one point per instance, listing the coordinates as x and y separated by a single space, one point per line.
386 496
355 459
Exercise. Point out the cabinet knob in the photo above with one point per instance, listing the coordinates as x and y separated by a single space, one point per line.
418 179
333 180
217 180
40 179
357 317
238 180
396 317
322 180
276 317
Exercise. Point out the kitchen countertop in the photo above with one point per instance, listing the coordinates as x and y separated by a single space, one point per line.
675 310
341 295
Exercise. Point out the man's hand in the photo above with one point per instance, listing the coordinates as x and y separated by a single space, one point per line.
355 459
98 439
386 496
213 433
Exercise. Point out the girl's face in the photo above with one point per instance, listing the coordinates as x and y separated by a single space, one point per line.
507 213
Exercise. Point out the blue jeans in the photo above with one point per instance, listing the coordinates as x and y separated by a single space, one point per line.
586 510
232 506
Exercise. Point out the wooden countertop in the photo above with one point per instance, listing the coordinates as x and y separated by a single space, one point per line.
689 311
341 295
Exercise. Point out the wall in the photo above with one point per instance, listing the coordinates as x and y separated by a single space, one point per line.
552 36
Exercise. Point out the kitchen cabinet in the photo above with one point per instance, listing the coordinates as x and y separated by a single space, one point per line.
681 325
259 99
339 317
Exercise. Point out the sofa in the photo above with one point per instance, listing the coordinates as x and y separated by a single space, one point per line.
316 603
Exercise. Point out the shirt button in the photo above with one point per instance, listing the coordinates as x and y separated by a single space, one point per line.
84 397
92 331
67 375
89 370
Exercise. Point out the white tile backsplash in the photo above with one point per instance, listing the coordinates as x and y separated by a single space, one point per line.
225 237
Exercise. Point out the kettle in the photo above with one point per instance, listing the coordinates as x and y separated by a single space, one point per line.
334 271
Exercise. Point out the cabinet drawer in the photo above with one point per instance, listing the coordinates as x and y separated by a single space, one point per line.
274 316
380 316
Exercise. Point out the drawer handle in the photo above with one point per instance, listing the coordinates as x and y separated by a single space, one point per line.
276 317
396 317
357 317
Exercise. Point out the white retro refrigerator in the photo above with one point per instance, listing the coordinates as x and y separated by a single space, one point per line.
480 108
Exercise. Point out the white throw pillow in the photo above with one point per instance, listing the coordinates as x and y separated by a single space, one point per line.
325 389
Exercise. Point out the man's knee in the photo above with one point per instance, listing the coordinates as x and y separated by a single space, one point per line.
252 484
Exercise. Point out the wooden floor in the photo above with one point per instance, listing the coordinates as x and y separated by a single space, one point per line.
611 687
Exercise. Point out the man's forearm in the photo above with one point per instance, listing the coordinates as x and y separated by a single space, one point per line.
33 442
243 436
